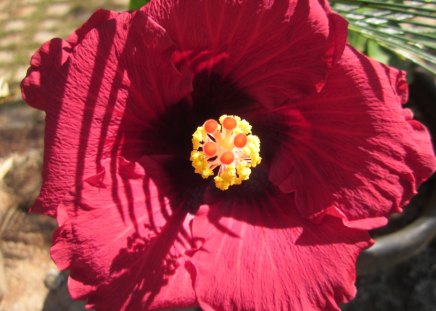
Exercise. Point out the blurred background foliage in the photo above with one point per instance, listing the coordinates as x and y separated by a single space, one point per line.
395 32
136 4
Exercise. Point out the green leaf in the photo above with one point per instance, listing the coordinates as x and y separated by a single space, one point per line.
136 4
374 50
358 41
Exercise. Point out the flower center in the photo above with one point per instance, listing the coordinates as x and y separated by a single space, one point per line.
226 147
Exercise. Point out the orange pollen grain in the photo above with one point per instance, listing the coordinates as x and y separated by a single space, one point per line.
229 123
227 157
210 149
240 140
210 126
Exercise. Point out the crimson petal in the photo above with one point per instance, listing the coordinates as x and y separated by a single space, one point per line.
123 243
265 256
273 50
111 77
353 148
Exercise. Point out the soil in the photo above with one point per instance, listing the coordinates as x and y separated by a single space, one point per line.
409 286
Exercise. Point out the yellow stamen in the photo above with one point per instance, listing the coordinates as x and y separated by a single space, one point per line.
228 148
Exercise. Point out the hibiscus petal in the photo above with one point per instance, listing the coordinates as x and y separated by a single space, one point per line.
45 64
97 18
273 50
353 147
123 243
265 256
100 89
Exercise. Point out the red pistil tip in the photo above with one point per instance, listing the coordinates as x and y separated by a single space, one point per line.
210 126
227 158
209 149
240 140
229 123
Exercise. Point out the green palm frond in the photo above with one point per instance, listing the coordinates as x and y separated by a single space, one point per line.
405 28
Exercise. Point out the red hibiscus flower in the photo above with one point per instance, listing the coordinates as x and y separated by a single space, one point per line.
139 229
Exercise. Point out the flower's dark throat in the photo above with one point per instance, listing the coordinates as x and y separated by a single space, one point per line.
211 98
